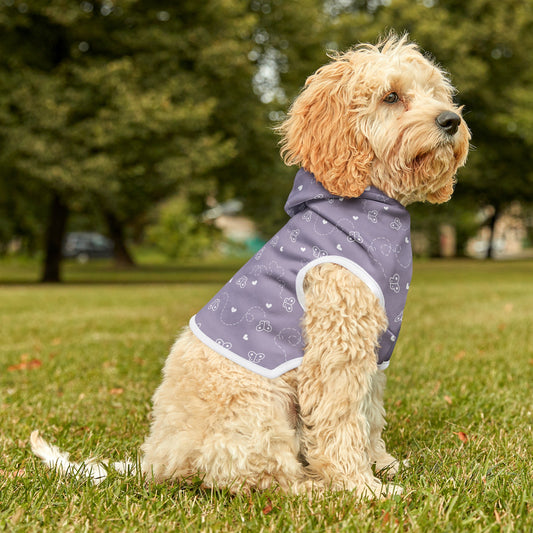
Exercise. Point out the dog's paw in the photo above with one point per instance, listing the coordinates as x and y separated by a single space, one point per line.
379 490
392 489
388 466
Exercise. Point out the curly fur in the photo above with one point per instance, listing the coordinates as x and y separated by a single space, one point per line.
318 426
339 129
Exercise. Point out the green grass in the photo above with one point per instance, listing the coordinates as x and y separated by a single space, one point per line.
81 360
150 270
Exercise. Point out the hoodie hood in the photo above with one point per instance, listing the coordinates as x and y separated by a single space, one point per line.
307 192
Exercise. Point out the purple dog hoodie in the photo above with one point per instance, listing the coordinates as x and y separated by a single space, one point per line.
255 319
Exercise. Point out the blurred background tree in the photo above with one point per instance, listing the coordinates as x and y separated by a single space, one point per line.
179 232
111 107
107 108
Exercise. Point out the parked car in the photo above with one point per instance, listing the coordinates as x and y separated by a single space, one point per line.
83 246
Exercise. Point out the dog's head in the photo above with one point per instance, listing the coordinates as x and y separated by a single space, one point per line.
379 115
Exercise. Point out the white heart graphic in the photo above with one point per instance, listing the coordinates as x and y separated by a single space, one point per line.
324 222
268 305
254 282
339 247
281 249
355 218
300 187
303 249
245 337
407 239
386 208
233 309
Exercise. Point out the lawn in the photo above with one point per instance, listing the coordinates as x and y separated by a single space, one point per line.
80 361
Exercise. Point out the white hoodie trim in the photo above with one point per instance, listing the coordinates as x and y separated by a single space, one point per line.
354 268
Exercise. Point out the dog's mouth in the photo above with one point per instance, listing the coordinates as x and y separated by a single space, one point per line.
449 152
436 162
415 148
419 161
425 162
434 173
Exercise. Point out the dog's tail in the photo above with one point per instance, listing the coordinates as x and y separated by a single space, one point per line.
95 471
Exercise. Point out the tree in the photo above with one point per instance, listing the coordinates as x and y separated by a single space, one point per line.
286 46
103 108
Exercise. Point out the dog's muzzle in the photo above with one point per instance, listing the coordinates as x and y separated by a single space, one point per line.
449 122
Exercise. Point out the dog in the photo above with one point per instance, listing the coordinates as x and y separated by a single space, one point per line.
278 381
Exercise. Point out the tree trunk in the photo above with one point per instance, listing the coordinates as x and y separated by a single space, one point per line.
122 255
492 226
55 234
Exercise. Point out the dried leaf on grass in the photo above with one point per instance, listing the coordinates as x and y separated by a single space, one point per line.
25 364
16 517
387 517
460 355
267 509
463 437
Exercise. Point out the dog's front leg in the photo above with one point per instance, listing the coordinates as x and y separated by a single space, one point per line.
385 463
343 322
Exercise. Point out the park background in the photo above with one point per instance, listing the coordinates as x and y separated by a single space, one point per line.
151 123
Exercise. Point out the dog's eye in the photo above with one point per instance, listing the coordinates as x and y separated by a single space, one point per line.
391 98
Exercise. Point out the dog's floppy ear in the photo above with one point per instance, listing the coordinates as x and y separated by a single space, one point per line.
322 134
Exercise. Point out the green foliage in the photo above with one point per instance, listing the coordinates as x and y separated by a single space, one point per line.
111 111
286 46
180 233
112 106
462 365
118 105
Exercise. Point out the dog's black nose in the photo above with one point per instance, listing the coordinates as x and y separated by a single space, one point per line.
449 122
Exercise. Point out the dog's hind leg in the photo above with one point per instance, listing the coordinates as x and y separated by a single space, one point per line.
217 420
343 322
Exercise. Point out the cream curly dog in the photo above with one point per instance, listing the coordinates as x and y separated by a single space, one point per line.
284 386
